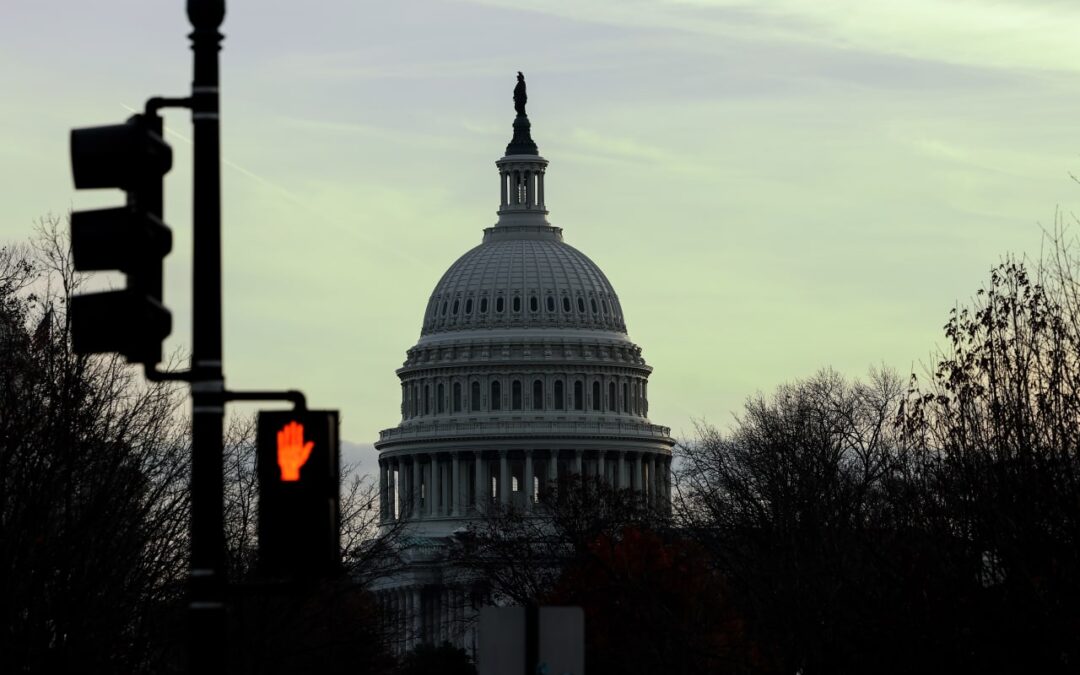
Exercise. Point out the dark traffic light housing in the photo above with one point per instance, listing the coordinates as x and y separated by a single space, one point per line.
299 521
132 239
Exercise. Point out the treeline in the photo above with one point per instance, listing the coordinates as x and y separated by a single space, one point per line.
882 525
94 471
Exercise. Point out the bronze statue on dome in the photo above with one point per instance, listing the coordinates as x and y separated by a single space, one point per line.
520 97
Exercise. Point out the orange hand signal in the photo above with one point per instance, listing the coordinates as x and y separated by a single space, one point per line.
292 451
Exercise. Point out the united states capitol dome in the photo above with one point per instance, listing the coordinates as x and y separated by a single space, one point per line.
526 278
523 375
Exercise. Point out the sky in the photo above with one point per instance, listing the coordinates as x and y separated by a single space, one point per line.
772 186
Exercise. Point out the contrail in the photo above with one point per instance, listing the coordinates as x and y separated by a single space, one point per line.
293 198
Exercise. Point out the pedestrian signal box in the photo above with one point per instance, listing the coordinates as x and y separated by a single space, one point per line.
297 458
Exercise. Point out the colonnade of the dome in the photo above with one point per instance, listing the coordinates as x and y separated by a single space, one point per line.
420 485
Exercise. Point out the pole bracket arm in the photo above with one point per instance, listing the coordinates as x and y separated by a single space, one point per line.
158 102
155 375
294 396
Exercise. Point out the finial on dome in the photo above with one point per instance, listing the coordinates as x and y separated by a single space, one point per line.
522 142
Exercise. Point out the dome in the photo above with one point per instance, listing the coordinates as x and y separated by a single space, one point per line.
528 278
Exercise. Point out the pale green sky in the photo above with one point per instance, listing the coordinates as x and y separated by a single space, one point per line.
772 187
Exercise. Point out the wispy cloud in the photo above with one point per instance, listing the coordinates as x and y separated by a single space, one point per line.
985 33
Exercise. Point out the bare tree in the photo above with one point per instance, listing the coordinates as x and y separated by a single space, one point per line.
999 417
93 516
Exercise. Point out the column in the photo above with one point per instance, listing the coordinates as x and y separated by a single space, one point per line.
391 493
654 482
504 478
667 484
478 497
457 487
444 509
577 462
382 491
433 487
502 180
635 479
402 491
622 470
528 480
553 468
416 480
601 474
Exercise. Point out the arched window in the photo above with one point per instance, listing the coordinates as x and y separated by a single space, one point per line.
515 395
457 397
579 395
443 311
455 308
474 396
596 402
625 397
538 395
551 304
496 395
611 397
605 306
581 305
592 301
483 305
558 394
517 303
534 304
468 306
565 304
440 402
499 304
427 399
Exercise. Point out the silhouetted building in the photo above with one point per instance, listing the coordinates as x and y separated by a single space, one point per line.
523 374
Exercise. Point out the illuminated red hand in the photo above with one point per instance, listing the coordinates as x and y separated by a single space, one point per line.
292 451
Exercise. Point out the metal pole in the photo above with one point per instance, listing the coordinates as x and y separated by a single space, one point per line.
207 576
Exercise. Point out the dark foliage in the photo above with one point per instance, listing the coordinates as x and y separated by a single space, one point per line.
444 659
93 510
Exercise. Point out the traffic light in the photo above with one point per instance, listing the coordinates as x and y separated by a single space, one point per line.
132 239
297 458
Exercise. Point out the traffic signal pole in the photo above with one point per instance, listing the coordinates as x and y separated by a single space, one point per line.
134 239
207 584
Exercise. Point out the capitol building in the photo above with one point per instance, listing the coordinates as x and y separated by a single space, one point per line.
523 375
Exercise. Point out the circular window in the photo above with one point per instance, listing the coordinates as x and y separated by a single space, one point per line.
483 305
581 305
565 304
454 310
468 306
534 304
499 304
551 304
